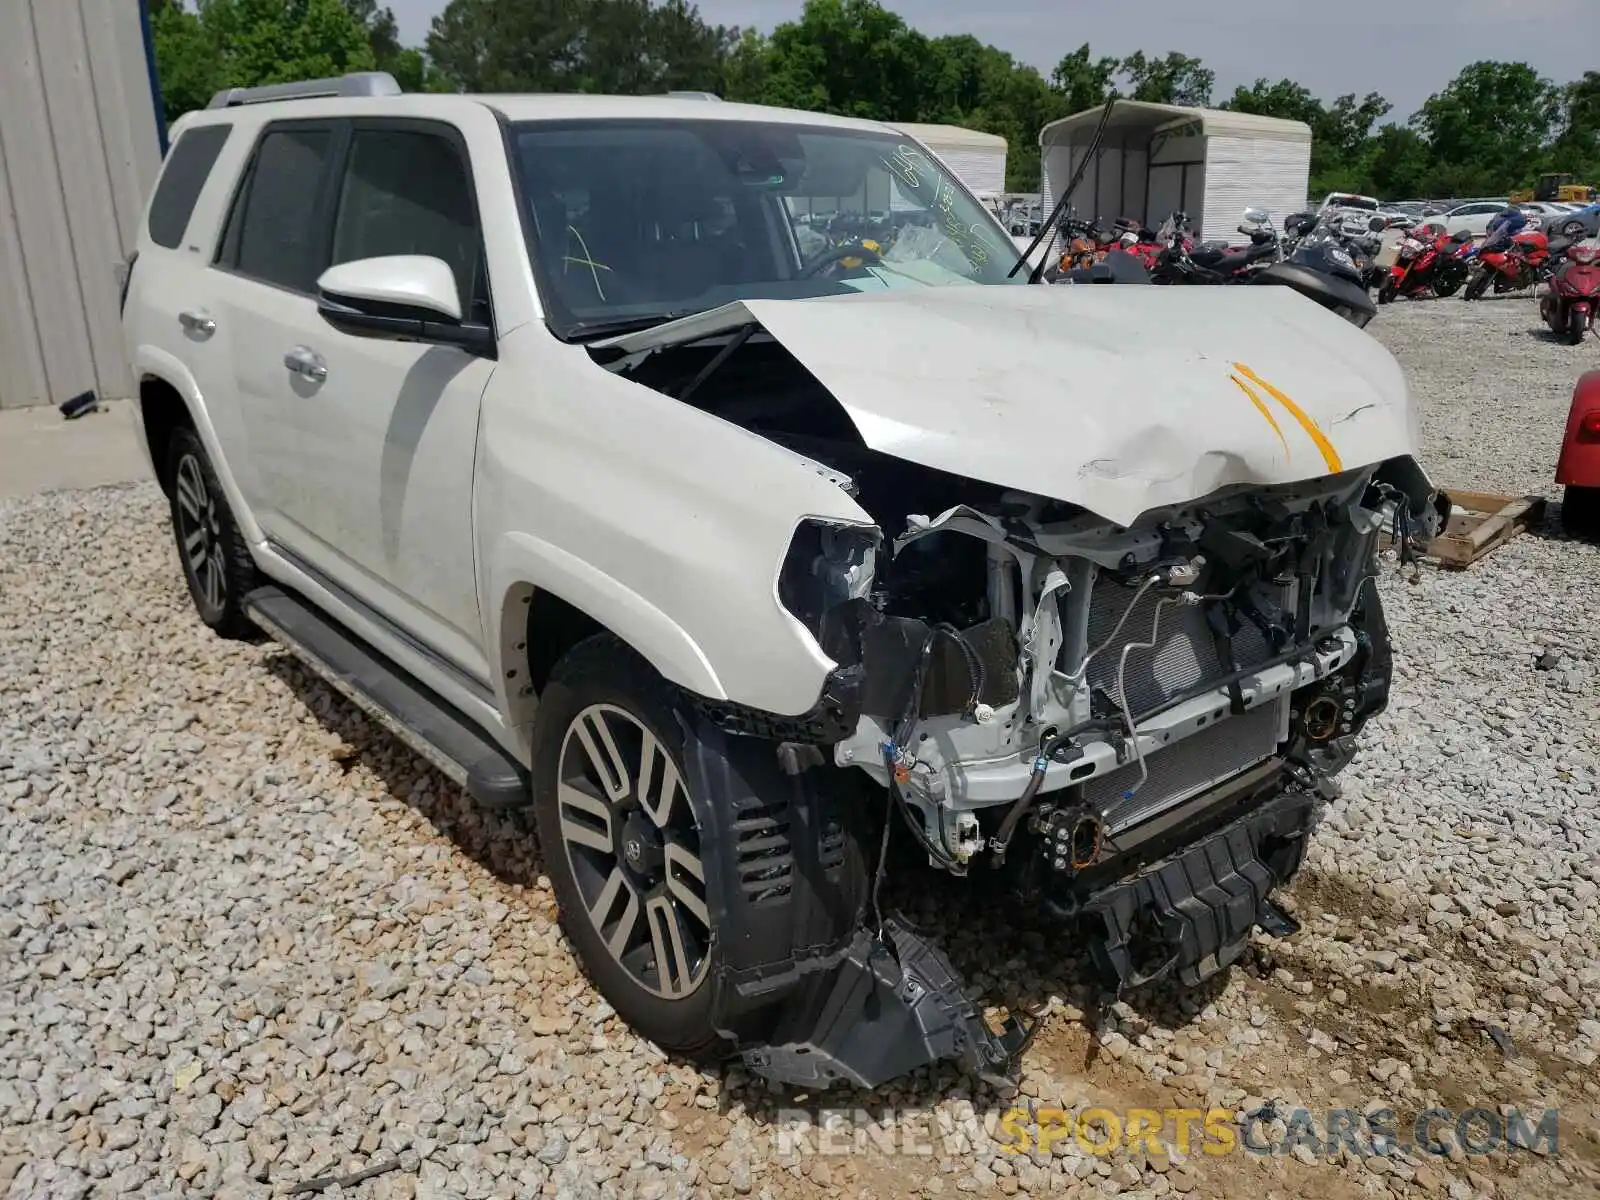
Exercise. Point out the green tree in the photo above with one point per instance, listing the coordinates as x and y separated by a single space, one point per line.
1172 79
186 59
1577 146
245 43
1402 163
1489 130
1083 82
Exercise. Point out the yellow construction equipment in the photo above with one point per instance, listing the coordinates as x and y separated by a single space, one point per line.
1559 188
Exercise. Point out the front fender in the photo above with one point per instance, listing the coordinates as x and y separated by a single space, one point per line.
1579 464
151 362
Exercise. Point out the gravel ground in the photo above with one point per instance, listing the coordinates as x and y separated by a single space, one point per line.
247 940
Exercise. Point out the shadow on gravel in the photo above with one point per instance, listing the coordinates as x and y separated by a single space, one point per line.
502 843
1011 960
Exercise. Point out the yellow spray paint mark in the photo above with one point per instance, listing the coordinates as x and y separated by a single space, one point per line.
1261 407
1313 430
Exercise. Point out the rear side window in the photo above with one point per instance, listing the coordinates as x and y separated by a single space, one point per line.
273 234
188 164
406 191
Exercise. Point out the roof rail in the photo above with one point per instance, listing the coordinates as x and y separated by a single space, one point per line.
695 95
357 83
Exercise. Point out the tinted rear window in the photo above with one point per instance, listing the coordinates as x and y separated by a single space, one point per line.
189 162
279 240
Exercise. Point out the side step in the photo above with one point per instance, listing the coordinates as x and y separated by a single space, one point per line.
417 716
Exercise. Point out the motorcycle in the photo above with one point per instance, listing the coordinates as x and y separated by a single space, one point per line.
1216 262
1426 265
1511 268
1321 269
1569 304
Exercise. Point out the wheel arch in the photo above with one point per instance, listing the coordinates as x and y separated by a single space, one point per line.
168 396
545 601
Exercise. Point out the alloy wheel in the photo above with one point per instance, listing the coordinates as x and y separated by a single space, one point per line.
630 838
200 533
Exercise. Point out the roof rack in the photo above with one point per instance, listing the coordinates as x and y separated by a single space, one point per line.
357 83
695 95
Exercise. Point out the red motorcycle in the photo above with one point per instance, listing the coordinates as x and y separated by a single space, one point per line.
1519 265
1570 303
1428 264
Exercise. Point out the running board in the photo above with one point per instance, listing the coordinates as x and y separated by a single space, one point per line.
431 726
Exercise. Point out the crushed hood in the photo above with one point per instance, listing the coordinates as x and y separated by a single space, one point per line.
1118 399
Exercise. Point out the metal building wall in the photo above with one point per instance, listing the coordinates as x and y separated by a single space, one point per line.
79 153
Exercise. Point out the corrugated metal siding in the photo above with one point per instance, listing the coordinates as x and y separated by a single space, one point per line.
980 170
1253 172
78 155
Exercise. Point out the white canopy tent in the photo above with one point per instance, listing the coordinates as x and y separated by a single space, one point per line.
1157 158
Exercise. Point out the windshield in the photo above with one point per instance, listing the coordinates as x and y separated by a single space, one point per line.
632 221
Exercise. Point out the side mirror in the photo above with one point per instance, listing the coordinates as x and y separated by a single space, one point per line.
401 297
1256 216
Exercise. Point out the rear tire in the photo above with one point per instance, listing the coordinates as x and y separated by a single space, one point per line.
1446 289
620 837
216 558
1580 511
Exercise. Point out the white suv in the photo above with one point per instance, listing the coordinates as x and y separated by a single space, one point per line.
706 478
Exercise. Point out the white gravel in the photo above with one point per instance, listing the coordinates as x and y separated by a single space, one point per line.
246 939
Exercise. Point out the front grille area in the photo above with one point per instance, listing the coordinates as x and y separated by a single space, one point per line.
1184 658
1185 768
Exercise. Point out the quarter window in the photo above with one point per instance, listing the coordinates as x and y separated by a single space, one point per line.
188 164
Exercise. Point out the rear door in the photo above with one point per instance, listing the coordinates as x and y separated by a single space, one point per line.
386 431
262 286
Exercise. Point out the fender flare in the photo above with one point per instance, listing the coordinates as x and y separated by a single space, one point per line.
523 564
154 363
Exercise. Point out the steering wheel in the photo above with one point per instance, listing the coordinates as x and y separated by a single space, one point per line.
838 254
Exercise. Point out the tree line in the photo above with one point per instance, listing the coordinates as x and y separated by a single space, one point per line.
1494 127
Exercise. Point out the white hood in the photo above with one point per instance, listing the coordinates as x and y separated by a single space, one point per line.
1116 398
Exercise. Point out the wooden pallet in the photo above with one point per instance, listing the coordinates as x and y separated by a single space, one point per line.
1487 520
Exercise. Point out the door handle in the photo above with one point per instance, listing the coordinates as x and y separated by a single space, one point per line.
307 363
197 320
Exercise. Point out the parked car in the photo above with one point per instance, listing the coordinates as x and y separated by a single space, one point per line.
1582 222
1472 217
524 423
1546 214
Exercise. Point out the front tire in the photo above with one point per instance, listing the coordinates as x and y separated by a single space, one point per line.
1577 326
1477 286
620 836
216 558
1387 292
1580 511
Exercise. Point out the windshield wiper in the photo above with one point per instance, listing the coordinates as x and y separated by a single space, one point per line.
585 331
1049 227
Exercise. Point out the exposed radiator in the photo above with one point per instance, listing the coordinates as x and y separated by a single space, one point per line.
1184 657
1185 768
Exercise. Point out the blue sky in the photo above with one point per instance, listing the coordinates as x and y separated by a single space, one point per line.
1404 49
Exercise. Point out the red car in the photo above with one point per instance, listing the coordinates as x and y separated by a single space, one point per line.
1579 465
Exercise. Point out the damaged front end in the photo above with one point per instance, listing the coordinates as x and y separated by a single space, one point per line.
1136 726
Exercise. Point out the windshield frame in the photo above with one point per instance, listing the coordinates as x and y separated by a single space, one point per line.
569 327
